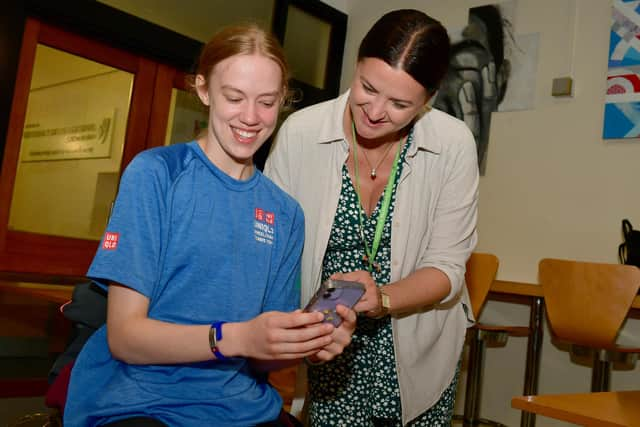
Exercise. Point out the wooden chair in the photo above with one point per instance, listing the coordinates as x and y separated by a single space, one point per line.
481 271
284 381
587 304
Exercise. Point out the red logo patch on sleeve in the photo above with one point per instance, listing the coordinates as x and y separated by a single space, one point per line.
259 214
110 241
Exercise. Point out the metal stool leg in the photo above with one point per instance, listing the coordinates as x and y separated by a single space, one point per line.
601 372
534 347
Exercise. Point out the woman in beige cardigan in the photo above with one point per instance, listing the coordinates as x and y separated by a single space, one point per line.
389 189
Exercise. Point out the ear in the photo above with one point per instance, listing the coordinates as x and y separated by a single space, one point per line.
201 89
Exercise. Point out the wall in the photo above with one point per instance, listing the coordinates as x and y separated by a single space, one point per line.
201 18
342 5
553 187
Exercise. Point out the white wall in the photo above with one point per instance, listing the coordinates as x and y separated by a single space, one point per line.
553 187
342 5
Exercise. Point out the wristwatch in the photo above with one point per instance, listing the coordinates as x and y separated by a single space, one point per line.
385 304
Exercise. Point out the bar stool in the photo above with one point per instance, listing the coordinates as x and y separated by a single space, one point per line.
481 271
587 304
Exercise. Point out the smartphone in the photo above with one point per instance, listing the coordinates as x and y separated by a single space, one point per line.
334 292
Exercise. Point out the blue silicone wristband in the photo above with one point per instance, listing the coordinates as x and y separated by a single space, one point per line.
213 339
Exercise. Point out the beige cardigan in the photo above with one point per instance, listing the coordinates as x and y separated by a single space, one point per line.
434 224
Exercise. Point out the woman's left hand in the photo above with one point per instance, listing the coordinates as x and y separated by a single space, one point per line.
370 301
341 336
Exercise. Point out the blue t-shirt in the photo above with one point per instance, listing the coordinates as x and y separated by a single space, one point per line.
201 246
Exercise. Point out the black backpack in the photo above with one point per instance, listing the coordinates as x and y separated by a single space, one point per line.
87 311
629 250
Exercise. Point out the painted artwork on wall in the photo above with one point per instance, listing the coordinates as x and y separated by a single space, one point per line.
622 102
492 69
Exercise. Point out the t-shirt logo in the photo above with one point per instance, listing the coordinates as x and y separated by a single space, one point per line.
263 226
270 218
110 241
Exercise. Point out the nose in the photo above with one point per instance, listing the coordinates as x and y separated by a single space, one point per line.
376 110
249 115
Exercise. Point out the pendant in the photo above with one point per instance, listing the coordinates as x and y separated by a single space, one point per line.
373 174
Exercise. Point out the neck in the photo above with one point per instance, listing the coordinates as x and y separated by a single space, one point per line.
240 169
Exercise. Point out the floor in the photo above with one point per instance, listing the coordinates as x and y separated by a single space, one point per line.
12 410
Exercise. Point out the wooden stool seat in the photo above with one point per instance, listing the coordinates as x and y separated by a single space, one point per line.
512 331
587 304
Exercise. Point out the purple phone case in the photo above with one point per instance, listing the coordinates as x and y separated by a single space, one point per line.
332 293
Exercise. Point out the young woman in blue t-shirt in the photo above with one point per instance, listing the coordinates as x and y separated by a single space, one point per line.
201 258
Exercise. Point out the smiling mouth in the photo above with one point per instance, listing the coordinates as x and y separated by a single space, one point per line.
245 134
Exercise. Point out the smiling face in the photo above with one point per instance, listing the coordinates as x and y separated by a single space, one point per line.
383 100
244 93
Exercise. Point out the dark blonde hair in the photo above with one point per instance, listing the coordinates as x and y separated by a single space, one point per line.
244 39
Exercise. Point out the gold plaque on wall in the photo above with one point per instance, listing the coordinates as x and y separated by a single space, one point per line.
68 137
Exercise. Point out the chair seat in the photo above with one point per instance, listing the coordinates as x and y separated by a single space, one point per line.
513 331
587 304
496 335
619 354
623 349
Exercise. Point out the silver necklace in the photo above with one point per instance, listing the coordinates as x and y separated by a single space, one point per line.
373 174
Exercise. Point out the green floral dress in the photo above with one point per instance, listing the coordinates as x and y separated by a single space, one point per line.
360 387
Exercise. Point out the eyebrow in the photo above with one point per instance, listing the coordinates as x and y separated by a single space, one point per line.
227 87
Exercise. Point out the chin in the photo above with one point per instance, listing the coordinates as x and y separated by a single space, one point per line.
245 153
374 133
371 132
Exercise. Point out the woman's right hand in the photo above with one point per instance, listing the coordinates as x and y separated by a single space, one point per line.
276 335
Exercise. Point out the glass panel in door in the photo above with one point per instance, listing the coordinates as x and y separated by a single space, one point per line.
71 148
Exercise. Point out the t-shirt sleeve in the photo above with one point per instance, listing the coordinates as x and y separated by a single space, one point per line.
284 290
130 250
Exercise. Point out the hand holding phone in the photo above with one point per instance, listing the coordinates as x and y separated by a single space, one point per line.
334 292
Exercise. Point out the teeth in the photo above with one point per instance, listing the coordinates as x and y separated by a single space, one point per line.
246 134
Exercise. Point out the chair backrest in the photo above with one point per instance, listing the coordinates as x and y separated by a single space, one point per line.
587 302
481 270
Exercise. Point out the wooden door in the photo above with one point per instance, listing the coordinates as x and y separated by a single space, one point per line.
81 111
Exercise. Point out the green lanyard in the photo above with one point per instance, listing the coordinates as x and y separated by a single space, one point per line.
386 201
